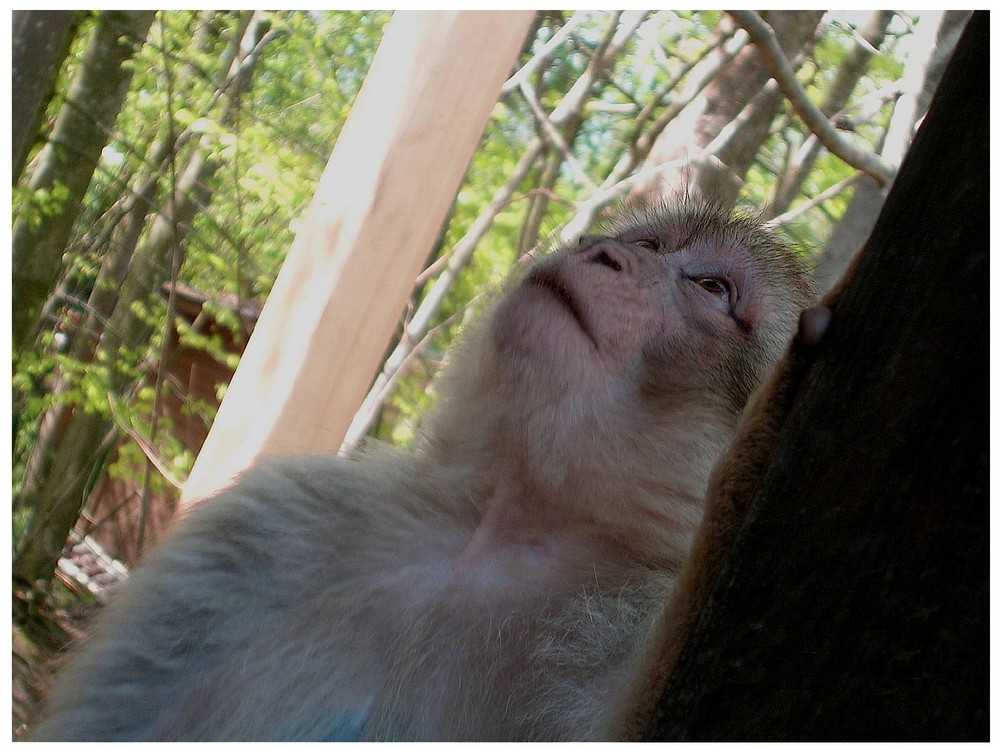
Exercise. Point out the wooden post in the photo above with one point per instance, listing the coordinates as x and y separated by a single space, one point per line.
377 211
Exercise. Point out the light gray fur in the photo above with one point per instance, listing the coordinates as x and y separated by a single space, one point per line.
238 627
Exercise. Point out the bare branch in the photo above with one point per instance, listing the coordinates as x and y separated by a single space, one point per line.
702 71
618 181
544 53
763 36
124 423
386 381
608 50
830 192
553 136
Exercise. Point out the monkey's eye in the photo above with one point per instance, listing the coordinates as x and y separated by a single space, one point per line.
719 287
648 244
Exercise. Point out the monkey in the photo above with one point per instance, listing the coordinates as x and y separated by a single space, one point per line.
500 579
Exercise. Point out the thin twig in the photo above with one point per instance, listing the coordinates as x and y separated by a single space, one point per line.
147 448
621 179
544 53
553 136
147 473
830 192
384 384
763 36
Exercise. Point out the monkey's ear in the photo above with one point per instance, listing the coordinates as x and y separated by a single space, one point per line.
813 323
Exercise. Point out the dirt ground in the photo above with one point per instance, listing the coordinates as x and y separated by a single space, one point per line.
34 661
30 678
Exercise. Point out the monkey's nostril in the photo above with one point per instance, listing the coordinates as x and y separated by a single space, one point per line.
606 259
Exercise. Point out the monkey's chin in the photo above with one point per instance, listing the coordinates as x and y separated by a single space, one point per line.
539 330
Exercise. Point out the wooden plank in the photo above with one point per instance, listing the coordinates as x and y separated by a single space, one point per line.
377 211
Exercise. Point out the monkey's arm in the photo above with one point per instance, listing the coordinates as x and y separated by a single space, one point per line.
212 602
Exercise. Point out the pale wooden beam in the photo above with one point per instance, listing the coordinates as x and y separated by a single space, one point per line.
378 209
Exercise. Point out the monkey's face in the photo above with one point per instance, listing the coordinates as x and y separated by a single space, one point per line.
652 309
602 354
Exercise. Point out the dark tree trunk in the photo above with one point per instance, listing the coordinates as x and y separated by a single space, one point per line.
40 42
854 601
70 157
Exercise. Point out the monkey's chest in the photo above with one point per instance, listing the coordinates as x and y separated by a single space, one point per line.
458 665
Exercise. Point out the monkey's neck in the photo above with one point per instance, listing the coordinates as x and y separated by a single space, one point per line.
531 486
585 460
518 545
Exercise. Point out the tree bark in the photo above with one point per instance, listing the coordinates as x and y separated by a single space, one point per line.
70 158
41 40
853 602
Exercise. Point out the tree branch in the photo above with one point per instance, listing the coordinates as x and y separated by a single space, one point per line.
553 136
834 190
617 182
763 36
544 53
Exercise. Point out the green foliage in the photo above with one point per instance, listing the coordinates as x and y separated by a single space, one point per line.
285 130
35 205
272 145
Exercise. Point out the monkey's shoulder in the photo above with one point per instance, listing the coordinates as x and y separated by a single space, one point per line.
274 553
351 561
283 497
294 520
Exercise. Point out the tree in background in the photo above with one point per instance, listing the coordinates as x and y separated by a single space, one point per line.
102 381
41 41
64 168
930 50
